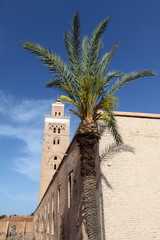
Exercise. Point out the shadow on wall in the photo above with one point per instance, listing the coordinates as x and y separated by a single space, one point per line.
108 153
113 149
72 220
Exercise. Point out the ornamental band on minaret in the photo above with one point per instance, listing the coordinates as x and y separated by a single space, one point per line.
55 143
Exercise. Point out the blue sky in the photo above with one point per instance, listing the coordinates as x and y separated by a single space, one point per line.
24 100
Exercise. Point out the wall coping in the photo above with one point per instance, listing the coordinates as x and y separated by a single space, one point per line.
17 219
137 115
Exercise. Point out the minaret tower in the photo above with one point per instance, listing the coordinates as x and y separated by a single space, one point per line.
55 143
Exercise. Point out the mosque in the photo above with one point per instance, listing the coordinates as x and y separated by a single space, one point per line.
128 183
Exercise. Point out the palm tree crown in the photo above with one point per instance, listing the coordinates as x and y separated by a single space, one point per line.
85 79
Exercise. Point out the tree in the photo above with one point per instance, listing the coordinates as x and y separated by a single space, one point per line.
14 215
2 216
90 88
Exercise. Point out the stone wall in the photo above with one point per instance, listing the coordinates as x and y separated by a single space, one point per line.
128 186
16 228
131 179
59 214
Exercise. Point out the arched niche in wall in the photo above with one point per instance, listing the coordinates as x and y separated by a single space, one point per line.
13 229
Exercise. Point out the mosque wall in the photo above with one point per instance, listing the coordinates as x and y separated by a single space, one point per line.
130 179
59 214
128 186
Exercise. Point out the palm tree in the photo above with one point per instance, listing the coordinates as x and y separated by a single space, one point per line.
90 88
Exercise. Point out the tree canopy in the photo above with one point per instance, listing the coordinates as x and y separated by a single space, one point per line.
85 79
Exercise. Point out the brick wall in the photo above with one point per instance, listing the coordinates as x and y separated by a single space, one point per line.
59 214
131 180
55 143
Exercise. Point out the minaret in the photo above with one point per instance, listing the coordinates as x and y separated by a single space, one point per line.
55 143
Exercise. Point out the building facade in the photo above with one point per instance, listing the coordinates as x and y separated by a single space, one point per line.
130 179
58 215
128 183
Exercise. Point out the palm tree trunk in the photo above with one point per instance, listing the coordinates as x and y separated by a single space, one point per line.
87 137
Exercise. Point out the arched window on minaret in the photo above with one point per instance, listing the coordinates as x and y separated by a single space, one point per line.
59 130
55 158
54 130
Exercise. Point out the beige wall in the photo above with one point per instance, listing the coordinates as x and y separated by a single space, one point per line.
131 180
24 227
128 186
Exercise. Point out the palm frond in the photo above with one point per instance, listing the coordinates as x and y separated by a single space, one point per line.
106 59
54 83
113 127
97 116
78 104
76 113
84 61
108 79
69 100
97 90
106 105
55 64
72 43
109 103
51 60
57 83
95 46
129 78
